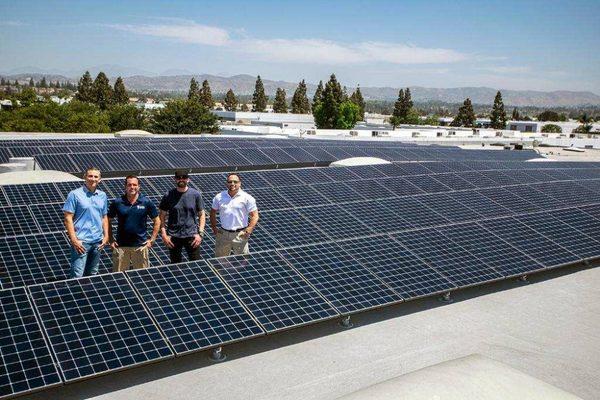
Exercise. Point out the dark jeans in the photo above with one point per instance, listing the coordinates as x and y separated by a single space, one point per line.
180 243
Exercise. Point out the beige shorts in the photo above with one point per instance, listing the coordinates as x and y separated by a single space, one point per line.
228 242
125 258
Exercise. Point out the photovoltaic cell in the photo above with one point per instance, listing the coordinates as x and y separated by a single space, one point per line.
192 306
209 182
277 296
289 228
336 222
528 241
569 193
301 196
339 174
58 162
279 178
311 175
96 325
577 242
84 160
38 258
454 181
26 361
448 207
477 179
415 212
268 199
36 193
396 266
367 172
161 184
400 186
428 184
508 200
122 161
370 189
492 250
151 160
48 217
340 278
278 155
458 265
16 221
481 204
338 192
376 216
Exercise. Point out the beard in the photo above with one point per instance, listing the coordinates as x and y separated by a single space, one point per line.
181 184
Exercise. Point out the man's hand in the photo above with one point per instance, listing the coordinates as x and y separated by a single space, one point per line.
246 233
197 240
78 246
214 230
114 245
103 243
168 242
148 243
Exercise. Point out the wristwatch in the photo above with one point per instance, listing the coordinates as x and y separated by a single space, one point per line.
201 233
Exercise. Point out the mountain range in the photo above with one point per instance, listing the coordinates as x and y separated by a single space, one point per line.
179 80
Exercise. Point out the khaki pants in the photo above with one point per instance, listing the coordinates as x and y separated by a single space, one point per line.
125 258
228 242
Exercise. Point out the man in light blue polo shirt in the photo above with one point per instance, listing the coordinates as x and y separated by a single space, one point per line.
87 224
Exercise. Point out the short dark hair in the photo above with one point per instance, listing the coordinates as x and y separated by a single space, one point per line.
234 173
128 177
92 169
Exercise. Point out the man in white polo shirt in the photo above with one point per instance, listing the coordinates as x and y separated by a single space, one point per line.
238 215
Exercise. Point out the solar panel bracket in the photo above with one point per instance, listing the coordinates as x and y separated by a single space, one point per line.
446 298
217 355
346 323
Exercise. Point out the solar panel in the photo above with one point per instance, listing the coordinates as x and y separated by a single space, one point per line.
84 161
233 157
569 237
439 167
26 361
336 222
320 154
122 161
340 278
367 172
278 178
96 325
477 179
490 249
399 186
569 193
277 296
311 175
161 184
397 267
210 182
415 212
151 160
508 200
256 157
113 187
37 259
376 216
448 207
300 196
179 158
289 228
48 217
339 174
412 168
16 221
64 188
3 200
454 181
192 306
457 264
300 155
338 192
278 155
479 203
250 179
499 178
428 184
36 193
546 252
268 199
58 162
370 189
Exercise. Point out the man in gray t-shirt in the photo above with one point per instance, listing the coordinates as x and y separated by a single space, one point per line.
180 228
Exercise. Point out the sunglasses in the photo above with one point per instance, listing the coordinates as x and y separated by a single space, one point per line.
233 181
181 176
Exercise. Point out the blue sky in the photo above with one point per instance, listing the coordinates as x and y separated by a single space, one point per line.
536 45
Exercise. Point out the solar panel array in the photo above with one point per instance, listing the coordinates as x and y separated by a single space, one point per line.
120 155
331 242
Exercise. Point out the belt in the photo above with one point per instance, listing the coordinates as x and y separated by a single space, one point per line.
234 230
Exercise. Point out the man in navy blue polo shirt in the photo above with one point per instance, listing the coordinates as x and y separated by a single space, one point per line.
87 225
132 210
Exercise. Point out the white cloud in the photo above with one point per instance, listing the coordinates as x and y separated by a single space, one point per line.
188 33
514 69
12 23
313 51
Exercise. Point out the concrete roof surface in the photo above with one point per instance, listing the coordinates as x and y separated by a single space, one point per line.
37 176
548 329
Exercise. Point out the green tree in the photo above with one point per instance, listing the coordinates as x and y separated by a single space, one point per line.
357 98
231 102
43 83
549 116
551 128
515 115
300 103
348 116
328 111
194 91
402 108
31 82
206 98
586 124
27 97
120 95
85 88
279 104
101 91
259 99
184 117
2 81
125 116
498 116
318 97
17 83
465 116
